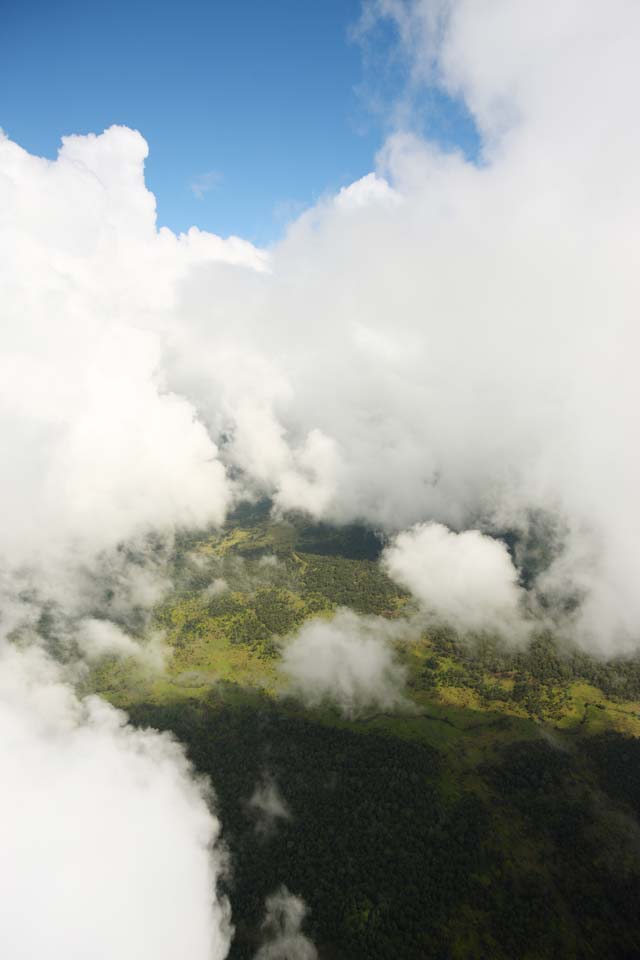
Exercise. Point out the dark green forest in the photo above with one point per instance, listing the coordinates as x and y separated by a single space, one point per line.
535 856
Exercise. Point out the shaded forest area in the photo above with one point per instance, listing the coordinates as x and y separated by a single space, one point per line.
400 855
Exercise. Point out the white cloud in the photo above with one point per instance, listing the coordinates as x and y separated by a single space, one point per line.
465 578
101 449
369 190
347 660
108 845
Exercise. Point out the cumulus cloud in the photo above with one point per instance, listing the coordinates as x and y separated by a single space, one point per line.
102 449
367 191
109 848
442 341
466 578
347 660
282 929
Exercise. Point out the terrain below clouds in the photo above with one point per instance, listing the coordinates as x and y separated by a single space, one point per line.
446 792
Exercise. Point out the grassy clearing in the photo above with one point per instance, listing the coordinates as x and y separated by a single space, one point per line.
466 702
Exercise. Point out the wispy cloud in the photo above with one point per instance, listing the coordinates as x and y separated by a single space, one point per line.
205 182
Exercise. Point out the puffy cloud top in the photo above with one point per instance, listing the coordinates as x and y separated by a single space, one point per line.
467 578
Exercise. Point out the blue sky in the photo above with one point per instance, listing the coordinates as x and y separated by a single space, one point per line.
262 105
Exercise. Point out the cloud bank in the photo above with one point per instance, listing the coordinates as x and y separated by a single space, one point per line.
442 341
